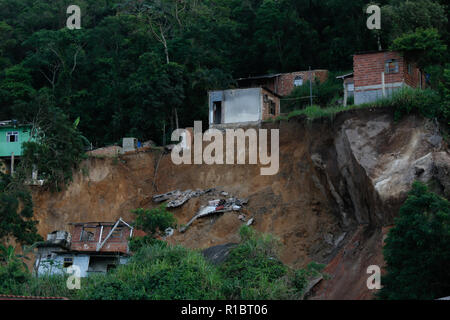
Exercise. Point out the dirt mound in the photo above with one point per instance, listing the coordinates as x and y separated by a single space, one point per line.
340 181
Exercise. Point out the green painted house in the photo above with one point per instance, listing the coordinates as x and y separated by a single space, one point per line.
12 135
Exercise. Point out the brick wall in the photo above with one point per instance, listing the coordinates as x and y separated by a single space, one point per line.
112 245
266 105
413 79
367 68
285 83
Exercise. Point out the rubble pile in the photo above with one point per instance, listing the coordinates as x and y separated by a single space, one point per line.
177 198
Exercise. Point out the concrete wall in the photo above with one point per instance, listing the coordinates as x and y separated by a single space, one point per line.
54 265
238 105
366 96
6 148
100 264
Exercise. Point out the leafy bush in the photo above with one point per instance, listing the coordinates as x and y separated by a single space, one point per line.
417 248
16 212
323 94
445 94
406 100
57 150
158 272
152 222
13 275
253 270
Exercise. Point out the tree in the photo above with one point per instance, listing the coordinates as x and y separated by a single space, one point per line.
58 146
423 46
400 17
16 213
416 250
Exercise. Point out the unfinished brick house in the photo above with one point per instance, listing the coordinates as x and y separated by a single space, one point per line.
237 107
282 83
95 247
379 74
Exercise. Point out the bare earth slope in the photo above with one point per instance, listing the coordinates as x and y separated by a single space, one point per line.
340 182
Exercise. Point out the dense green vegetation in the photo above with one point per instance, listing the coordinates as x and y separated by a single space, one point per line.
16 212
142 68
160 271
416 250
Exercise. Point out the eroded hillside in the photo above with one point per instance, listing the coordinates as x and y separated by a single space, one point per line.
339 186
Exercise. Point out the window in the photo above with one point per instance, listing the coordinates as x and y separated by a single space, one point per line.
351 87
272 107
67 262
409 68
391 66
298 81
87 234
12 136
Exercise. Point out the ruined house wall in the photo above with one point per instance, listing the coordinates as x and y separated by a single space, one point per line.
414 78
112 245
266 105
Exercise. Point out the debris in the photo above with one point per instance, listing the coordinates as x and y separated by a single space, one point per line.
214 202
241 217
224 193
168 232
204 211
250 221
178 198
213 207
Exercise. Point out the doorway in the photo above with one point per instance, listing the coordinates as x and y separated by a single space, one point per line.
217 112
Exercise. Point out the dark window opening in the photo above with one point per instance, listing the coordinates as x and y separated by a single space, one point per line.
12 136
67 262
87 234
272 107
110 267
217 112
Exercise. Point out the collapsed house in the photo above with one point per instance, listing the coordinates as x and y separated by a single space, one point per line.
95 247
379 74
228 108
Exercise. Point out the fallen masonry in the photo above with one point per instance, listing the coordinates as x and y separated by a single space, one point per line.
217 206
177 198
